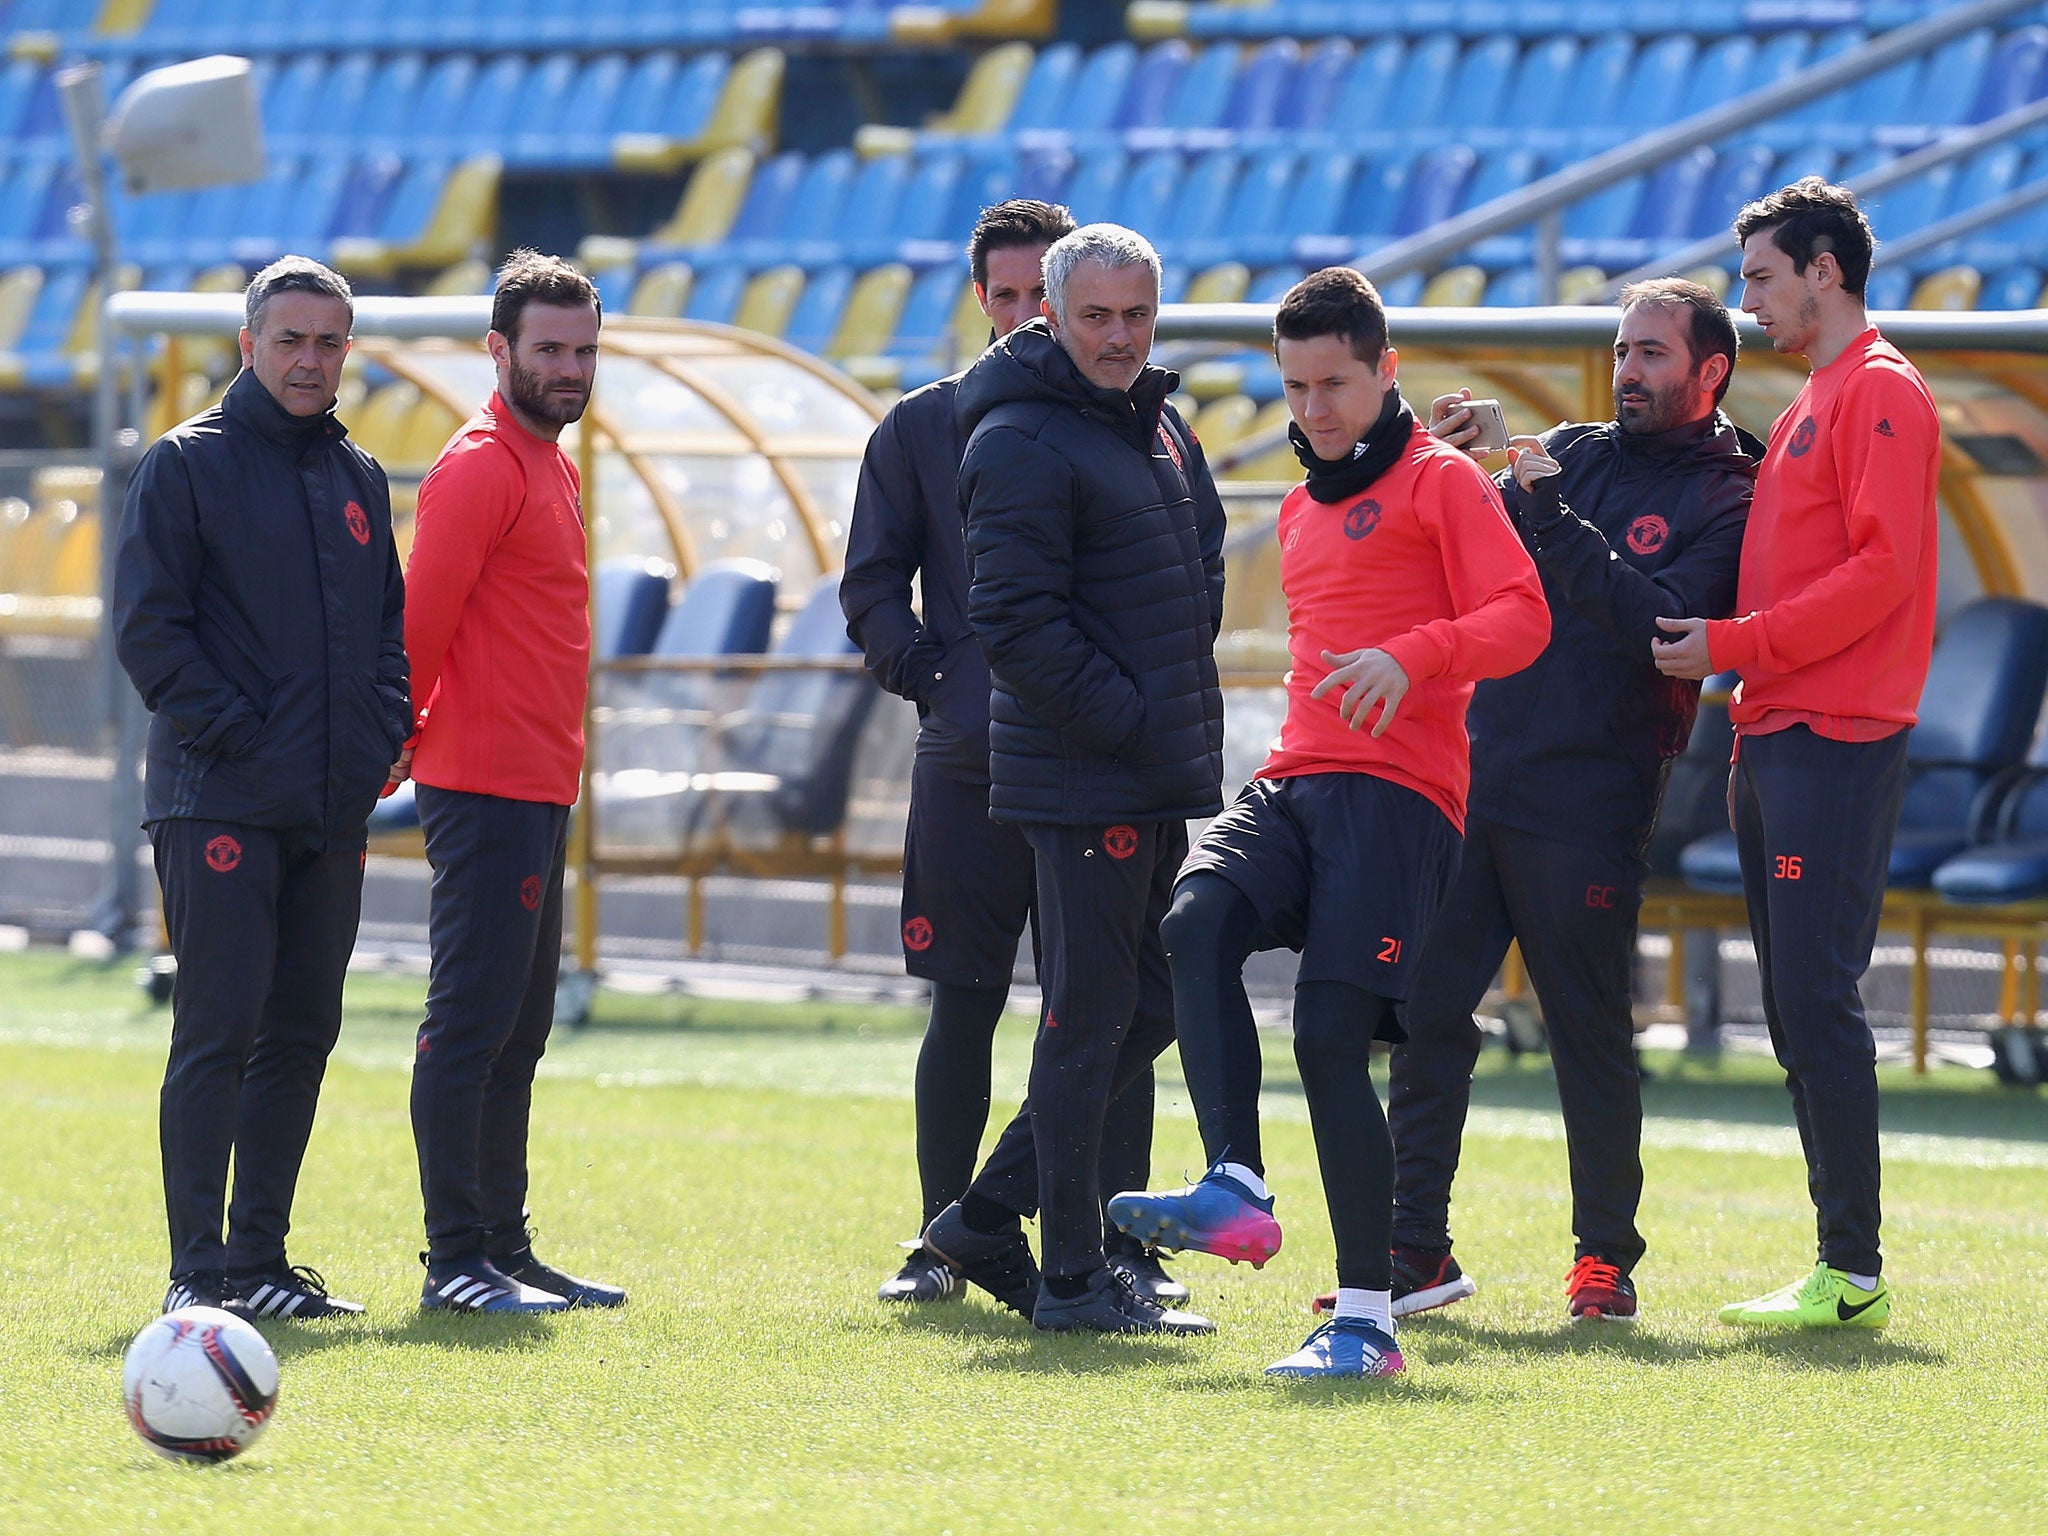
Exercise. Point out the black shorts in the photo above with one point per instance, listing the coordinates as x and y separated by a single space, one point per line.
967 884
1347 868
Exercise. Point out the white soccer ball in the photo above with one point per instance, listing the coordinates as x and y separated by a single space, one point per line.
200 1384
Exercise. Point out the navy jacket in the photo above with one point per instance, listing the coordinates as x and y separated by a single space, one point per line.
907 523
1095 545
1576 746
259 610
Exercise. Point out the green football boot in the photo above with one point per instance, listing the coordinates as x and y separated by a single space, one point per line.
1827 1298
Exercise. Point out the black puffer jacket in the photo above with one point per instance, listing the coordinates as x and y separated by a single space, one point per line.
260 612
1095 546
1575 747
906 523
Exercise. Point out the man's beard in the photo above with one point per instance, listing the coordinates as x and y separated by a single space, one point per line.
537 400
1659 412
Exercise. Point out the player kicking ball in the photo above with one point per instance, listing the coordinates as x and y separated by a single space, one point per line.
1405 584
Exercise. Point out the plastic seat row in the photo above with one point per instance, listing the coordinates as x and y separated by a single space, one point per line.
261 26
551 112
1593 18
1560 94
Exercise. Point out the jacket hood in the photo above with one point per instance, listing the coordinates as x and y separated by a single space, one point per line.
1030 364
248 404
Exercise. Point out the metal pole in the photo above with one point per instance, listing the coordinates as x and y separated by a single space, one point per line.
114 913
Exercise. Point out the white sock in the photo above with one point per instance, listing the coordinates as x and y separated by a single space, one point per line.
1376 1307
1861 1282
1247 1178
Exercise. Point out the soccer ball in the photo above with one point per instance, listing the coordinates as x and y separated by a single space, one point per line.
200 1384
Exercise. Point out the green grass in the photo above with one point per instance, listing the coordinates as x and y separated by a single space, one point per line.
744 1168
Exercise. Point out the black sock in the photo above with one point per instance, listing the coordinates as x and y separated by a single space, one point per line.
983 1215
1067 1287
953 1088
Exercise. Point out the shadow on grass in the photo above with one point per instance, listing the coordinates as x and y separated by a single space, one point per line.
1451 1340
288 1340
1335 1393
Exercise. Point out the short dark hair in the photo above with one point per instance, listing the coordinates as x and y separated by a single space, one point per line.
1022 221
293 274
1337 301
1711 329
528 277
1810 218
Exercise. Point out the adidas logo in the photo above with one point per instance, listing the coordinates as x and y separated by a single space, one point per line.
1884 429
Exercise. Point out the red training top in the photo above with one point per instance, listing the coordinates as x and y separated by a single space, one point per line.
1425 566
497 615
1838 564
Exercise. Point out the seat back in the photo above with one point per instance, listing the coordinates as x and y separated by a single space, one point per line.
1984 686
632 604
802 726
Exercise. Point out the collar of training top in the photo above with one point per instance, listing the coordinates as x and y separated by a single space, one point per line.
1332 480
248 404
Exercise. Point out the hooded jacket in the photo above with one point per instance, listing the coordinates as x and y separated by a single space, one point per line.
1095 548
260 612
1576 747
907 523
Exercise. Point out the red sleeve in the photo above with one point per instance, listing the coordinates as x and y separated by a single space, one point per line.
1884 480
1502 621
468 501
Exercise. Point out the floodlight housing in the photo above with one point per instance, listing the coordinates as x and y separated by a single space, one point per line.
187 126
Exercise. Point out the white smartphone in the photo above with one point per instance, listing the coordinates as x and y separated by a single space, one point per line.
1492 424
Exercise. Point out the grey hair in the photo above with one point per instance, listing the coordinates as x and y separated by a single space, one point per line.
294 274
1109 245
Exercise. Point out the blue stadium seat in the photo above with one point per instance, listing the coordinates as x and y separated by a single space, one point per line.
1252 227
2017 74
1150 190
925 222
1310 219
1194 209
1149 95
1538 93
1740 176
1512 289
1499 173
1043 97
1311 100
359 209
1955 79
686 110
1098 181
816 315
1596 100
798 729
1259 97
1435 186
432 124
1658 80
24 193
1203 91
1424 87
1372 202
808 216
1375 78
1271 285
866 231
18 82
1889 288
496 106
570 123
292 107
715 292
2011 288
2009 857
649 86
632 604
767 202
1093 102
414 197
1479 84
921 328
394 88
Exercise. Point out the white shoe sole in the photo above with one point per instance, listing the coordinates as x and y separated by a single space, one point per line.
1435 1296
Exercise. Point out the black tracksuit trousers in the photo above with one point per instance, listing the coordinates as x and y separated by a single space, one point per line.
1814 822
1102 891
495 929
1574 912
262 927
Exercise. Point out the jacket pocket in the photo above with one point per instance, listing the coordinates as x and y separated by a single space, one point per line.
362 751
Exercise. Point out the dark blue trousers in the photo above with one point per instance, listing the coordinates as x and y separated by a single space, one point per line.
1814 821
262 927
495 928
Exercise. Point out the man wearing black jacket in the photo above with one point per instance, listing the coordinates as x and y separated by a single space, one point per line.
1628 520
967 880
260 613
1095 541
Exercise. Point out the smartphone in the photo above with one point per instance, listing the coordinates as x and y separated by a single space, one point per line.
1492 424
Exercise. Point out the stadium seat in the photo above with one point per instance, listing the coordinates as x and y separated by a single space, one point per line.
865 229
1952 288
921 329
1258 96
1455 287
632 604
1252 226
716 293
2012 288
1310 99
749 100
1479 83
991 92
808 216
769 300
662 290
1888 288
1434 188
815 317
1221 424
1042 98
2008 859
1193 211
672 113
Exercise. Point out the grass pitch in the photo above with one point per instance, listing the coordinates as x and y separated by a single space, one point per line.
743 1168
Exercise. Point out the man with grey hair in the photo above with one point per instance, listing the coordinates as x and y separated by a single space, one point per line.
260 613
1095 542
